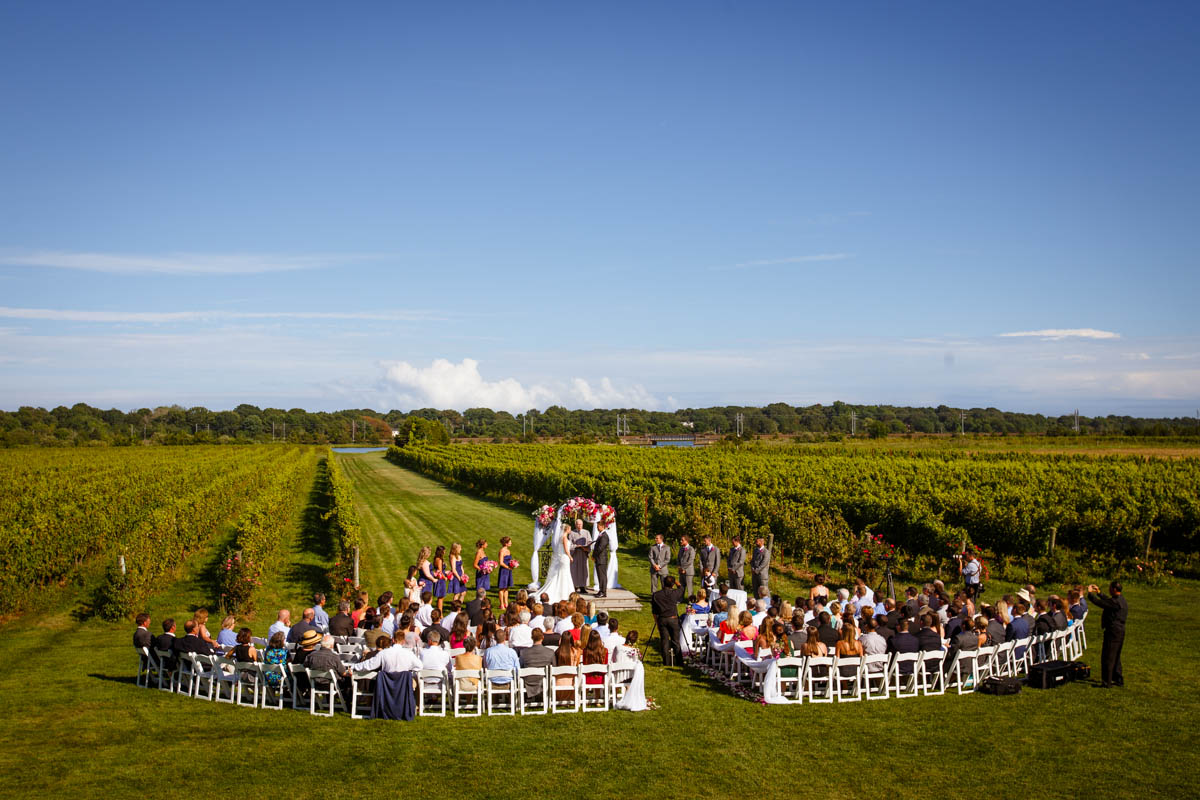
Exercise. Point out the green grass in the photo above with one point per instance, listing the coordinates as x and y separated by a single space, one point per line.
72 723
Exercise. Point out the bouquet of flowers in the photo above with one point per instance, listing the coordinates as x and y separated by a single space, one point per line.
544 515
488 566
607 514
513 563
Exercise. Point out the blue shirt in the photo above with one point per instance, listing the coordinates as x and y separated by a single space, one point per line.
227 638
501 656
320 619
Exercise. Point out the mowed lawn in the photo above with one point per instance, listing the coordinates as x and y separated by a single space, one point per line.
72 723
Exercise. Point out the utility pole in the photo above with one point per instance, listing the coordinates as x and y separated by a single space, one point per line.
739 423
853 423
1076 420
962 422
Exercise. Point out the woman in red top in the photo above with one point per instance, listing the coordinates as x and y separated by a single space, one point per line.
746 632
595 653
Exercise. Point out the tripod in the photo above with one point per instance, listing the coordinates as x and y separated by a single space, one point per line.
888 580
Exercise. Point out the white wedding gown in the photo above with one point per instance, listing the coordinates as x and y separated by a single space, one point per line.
558 584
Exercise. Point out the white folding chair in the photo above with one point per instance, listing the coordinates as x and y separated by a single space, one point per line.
323 701
986 663
505 691
1081 632
533 703
146 668
563 704
225 672
248 678
205 680
933 679
620 675
258 642
963 673
165 672
464 689
456 651
1005 663
904 674
431 683
819 679
272 694
362 693
185 676
790 687
875 676
1022 652
595 695
849 672
295 672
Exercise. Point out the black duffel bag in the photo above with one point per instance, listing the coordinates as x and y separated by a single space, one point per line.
1050 674
1000 686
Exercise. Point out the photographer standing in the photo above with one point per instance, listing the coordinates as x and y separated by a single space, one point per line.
664 604
1116 610
968 567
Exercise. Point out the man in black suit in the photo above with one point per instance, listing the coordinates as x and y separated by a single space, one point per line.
928 638
664 605
190 642
435 617
341 623
1112 622
474 612
302 627
903 641
600 556
826 632
536 655
165 641
912 604
883 628
995 628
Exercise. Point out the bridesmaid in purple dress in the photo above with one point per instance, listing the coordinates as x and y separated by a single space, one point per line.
439 575
458 578
483 581
423 574
504 562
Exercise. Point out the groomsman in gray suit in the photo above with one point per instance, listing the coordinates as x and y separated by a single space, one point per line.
736 562
710 561
687 565
660 562
760 565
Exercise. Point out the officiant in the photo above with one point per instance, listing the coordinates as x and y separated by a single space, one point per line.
581 547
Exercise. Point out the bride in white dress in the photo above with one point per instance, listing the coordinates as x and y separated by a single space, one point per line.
559 584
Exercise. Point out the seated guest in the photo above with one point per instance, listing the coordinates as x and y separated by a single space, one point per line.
628 651
468 659
590 614
1077 601
424 615
759 613
536 655
141 634
306 645
602 623
746 630
282 623
460 632
835 615
566 656
341 623
1019 627
577 623
965 640
520 635
564 622
435 626
980 627
798 635
448 618
928 637
729 625
165 642
1045 621
536 621
549 637
720 611
360 608
320 618
826 632
614 639
848 646
501 656
995 628
474 608
699 603
201 628
903 641
595 653
191 642
882 628
227 636
434 656
276 653
244 649
369 620
1058 613
387 621
302 627
814 647
872 643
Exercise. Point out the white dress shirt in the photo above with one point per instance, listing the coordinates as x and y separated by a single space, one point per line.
613 640
424 615
563 625
396 658
448 620
520 636
435 658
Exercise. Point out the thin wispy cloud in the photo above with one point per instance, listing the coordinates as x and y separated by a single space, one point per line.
180 263
771 262
1055 334
161 317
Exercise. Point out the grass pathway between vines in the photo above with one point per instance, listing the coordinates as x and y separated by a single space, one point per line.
73 724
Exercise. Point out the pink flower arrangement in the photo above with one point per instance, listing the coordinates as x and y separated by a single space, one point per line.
544 515
488 566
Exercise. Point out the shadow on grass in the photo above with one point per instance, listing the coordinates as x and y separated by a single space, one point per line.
314 536
125 679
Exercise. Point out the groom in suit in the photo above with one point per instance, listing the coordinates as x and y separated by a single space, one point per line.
600 555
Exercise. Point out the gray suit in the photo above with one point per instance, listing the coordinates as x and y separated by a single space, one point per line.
736 563
760 566
710 561
535 656
687 568
660 556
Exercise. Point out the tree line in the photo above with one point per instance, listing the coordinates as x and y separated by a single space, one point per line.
82 424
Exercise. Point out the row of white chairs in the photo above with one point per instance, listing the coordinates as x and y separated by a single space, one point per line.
466 693
876 677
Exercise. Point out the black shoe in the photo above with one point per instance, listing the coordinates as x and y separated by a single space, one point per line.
602 594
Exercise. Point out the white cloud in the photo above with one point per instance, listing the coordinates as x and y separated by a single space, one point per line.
1054 334
158 317
180 263
444 384
790 260
1137 356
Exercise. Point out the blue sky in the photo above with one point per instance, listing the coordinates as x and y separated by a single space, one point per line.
658 205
